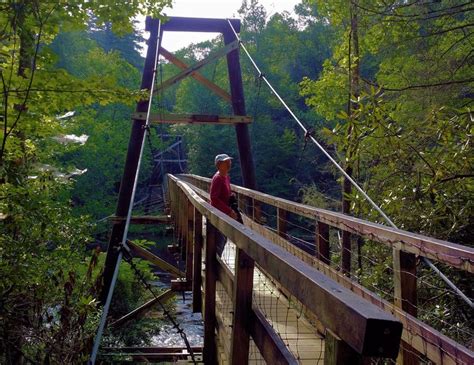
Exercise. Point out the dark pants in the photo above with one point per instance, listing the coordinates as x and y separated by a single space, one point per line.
220 243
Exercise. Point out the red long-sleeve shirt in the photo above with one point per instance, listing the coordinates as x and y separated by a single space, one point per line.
220 192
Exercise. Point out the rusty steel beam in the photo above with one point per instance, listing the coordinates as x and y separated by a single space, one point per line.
238 104
185 24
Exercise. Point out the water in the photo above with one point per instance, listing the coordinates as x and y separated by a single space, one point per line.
190 322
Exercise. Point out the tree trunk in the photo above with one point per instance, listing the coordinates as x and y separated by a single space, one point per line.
354 77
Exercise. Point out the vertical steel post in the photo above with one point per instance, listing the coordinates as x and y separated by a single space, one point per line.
238 105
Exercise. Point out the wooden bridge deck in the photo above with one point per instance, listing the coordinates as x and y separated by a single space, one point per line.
283 314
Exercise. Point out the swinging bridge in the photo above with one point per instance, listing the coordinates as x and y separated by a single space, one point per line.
270 297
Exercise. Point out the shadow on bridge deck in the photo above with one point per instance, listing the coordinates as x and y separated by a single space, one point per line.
283 313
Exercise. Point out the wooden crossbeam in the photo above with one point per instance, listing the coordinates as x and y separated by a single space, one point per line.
181 284
155 260
167 355
150 350
197 66
166 295
192 118
146 219
151 354
196 75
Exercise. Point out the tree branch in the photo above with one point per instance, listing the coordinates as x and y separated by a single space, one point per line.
420 86
455 177
446 30
466 36
32 90
5 100
463 61
33 70
411 17
30 83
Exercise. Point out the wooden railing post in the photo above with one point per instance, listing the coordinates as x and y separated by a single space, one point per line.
178 217
182 211
189 240
337 352
167 195
242 302
197 294
322 242
184 214
404 271
171 196
257 211
241 199
252 207
346 253
210 348
281 222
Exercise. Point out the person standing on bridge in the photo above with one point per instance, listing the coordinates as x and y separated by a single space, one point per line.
221 193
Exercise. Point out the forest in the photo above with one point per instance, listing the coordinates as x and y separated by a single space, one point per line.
387 87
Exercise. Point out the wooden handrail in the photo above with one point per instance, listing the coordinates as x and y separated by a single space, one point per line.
452 254
372 331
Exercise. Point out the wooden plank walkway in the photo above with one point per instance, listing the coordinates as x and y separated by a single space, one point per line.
283 314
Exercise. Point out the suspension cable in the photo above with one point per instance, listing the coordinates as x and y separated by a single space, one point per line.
346 175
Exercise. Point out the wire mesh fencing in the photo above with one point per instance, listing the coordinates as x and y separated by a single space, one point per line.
284 314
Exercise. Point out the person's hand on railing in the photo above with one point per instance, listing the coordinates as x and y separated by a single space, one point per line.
234 215
234 205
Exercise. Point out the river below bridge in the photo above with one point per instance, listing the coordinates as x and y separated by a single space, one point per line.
191 323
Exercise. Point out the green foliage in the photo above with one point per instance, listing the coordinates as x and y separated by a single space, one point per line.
48 288
433 162
312 195
95 193
48 308
328 94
